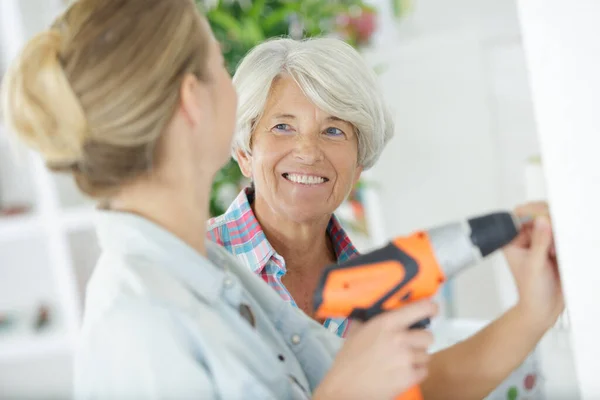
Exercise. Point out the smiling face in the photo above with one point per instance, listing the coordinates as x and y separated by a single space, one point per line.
303 161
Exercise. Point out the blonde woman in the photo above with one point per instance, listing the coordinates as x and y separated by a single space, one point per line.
131 97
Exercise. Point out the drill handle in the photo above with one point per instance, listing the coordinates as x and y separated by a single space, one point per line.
404 271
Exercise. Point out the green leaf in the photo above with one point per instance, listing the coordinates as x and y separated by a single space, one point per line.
329 10
401 7
226 22
252 33
279 16
257 9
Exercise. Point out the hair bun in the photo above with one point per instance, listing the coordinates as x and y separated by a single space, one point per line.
39 103
94 98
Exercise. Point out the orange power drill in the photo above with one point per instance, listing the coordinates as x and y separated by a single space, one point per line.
410 268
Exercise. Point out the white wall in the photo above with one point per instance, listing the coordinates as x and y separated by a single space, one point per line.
441 164
563 54
456 78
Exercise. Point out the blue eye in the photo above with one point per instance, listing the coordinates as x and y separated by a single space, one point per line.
334 131
282 128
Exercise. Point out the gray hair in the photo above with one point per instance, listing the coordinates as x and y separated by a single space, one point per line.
331 73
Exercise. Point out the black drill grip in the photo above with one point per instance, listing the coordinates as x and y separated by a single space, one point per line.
422 324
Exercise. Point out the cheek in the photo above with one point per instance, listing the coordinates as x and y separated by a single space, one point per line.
267 153
346 164
261 164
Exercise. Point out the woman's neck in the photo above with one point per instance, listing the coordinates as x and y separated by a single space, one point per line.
182 211
298 243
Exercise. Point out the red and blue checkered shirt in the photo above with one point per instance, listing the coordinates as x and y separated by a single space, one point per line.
240 233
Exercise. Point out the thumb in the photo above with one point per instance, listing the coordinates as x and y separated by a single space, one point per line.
541 240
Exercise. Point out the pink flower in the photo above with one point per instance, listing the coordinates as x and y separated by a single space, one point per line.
358 24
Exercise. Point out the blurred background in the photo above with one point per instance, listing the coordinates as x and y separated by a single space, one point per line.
455 76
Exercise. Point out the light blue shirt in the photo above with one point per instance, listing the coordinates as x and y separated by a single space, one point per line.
162 321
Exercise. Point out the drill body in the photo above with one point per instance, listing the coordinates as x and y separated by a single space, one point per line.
410 268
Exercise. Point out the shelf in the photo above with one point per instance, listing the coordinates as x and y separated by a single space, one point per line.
33 346
23 225
20 341
16 226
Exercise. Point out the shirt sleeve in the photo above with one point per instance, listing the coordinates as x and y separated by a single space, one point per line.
140 353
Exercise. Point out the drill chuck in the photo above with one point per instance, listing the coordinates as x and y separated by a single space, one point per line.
493 231
461 244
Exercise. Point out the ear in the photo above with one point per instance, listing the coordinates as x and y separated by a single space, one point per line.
192 94
358 172
245 162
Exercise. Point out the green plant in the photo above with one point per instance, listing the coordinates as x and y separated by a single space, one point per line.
240 25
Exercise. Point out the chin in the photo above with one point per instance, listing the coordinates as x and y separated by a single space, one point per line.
307 214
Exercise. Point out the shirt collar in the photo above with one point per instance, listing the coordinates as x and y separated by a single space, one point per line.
241 219
256 250
342 245
133 236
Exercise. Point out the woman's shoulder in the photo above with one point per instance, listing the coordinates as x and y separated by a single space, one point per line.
124 279
171 317
140 338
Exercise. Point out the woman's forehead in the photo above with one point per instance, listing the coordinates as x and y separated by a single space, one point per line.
287 100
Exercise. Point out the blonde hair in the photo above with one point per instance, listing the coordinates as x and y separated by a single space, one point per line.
94 92
331 73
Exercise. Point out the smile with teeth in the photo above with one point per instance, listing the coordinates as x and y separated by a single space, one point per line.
305 179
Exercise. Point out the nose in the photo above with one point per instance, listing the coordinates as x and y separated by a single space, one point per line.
308 149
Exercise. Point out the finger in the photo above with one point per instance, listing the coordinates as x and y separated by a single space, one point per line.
556 271
541 240
355 324
419 339
405 316
409 380
420 359
419 374
527 233
532 209
523 239
552 249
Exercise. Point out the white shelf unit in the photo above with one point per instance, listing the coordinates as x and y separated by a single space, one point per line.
19 226
54 224
21 344
39 250
46 258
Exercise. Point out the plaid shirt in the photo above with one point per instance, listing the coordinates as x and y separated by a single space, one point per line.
240 233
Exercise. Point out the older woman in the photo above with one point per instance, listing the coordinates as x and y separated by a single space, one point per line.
169 314
311 118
